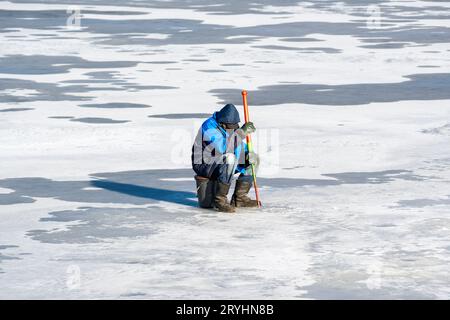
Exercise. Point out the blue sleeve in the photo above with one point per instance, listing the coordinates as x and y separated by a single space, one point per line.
212 135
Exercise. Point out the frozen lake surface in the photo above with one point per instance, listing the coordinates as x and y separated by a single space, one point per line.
352 104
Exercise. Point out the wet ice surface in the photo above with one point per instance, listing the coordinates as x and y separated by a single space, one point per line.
417 87
115 105
99 120
182 116
90 175
15 109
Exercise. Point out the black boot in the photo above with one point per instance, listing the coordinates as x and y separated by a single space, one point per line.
220 199
240 198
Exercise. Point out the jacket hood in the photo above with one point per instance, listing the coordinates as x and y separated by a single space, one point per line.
228 114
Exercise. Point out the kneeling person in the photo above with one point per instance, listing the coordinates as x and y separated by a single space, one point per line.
219 152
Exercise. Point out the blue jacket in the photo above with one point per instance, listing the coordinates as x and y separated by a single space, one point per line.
212 135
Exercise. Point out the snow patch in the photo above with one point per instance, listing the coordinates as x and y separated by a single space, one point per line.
6 190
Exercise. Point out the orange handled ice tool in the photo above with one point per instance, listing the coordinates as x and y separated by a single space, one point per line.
250 146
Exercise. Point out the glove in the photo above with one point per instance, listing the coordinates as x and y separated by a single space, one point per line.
248 128
252 158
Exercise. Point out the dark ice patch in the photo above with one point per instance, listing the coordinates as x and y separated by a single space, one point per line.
428 66
115 105
48 19
343 178
92 225
181 116
212 70
375 177
45 91
14 198
107 75
56 92
217 50
445 129
320 49
421 203
134 294
61 117
276 47
375 40
161 62
30 19
300 39
15 109
41 64
99 120
312 49
87 81
3 247
195 60
5 257
385 225
432 86
113 13
232 64
390 45
293 168
156 87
